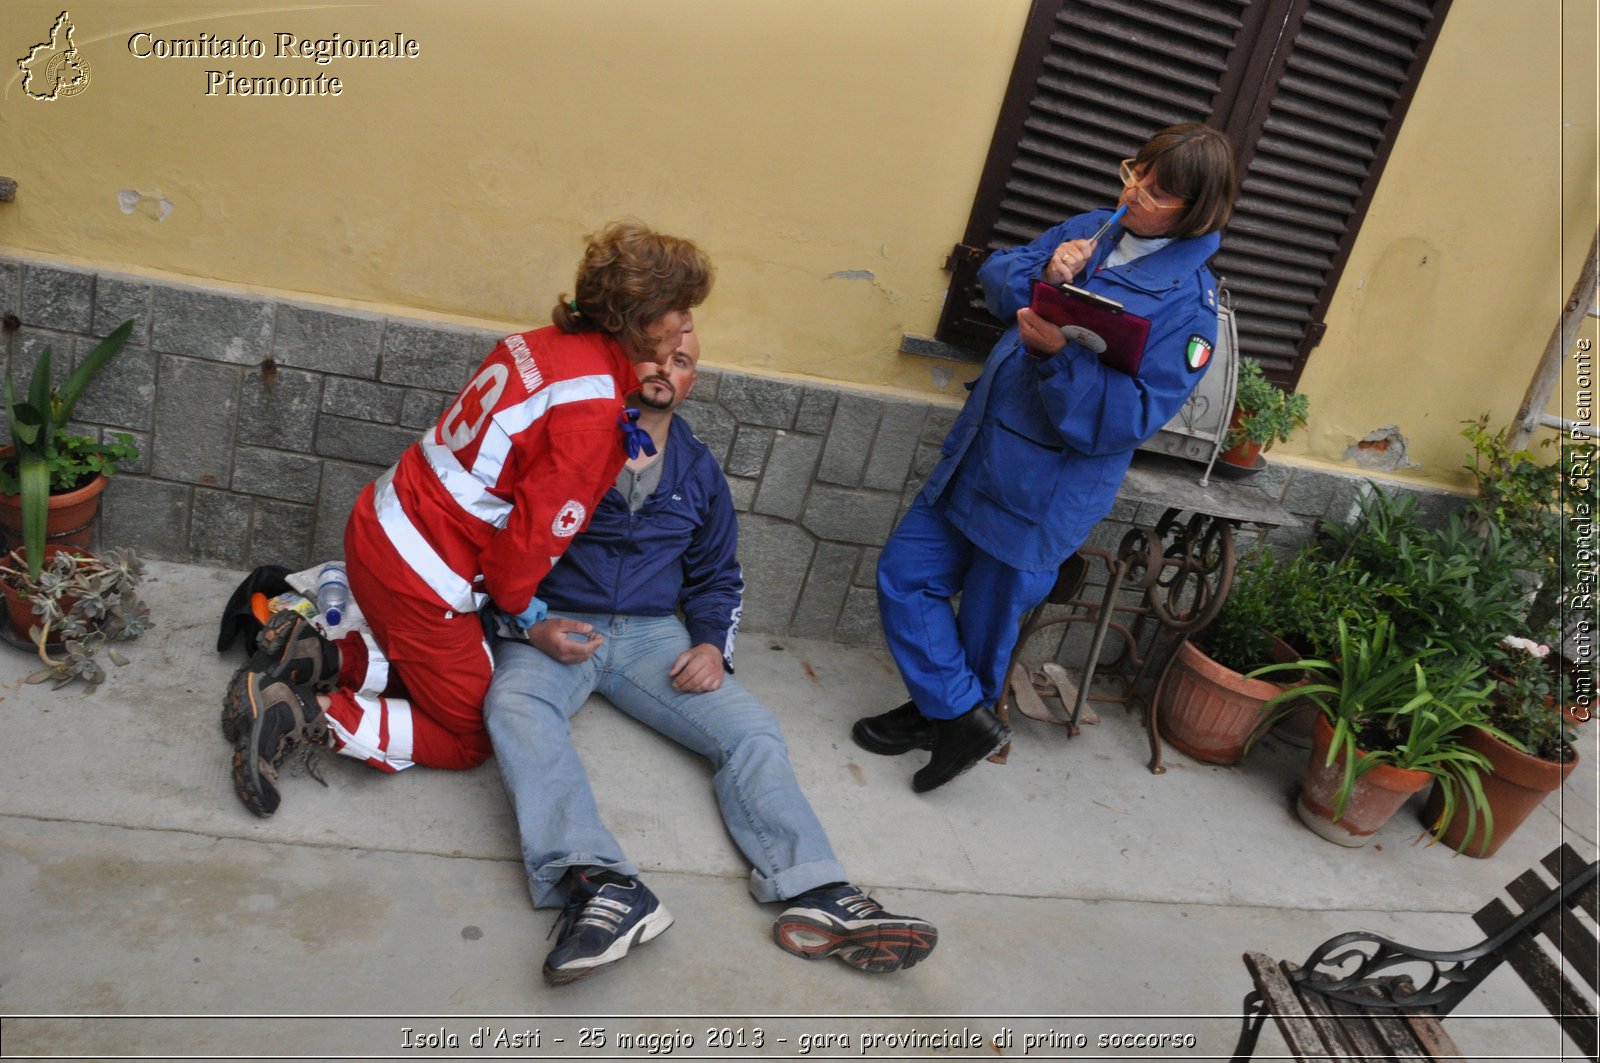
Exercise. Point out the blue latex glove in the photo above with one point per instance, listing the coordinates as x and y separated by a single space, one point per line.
535 612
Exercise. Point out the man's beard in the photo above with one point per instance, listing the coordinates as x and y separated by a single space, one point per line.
644 397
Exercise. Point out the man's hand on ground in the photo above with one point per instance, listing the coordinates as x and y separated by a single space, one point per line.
697 669
554 639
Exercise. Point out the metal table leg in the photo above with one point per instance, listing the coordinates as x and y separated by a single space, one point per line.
1181 569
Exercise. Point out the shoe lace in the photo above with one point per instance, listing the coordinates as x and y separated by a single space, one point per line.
859 904
590 909
309 756
279 630
310 738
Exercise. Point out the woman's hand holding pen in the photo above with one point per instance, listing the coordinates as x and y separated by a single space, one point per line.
1067 260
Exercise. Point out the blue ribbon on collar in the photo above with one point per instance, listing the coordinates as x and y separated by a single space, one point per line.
635 439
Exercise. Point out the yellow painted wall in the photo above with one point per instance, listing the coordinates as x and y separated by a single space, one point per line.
825 153
1473 242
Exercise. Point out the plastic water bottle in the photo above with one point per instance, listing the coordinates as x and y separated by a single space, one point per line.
333 593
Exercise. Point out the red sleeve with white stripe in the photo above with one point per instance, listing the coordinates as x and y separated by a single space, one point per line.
551 453
555 489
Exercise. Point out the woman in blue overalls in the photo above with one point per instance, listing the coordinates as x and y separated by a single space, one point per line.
1036 457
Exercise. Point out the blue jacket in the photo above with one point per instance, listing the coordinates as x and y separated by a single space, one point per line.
1036 456
678 550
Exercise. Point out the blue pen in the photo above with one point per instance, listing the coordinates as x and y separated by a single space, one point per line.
1116 216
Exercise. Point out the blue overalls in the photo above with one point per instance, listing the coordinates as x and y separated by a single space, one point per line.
1033 463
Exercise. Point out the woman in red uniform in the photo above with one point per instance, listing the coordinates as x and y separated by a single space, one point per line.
478 510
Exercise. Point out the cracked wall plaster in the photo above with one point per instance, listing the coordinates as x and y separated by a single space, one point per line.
157 207
1382 450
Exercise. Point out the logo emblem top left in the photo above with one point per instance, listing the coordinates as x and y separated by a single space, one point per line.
54 69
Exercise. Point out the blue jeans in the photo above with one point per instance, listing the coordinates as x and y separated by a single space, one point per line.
533 698
950 662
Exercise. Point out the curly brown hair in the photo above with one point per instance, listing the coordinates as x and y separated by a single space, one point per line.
1195 163
629 278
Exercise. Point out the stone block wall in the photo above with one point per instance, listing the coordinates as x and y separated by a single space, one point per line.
260 419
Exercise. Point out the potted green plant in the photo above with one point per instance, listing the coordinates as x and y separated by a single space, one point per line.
1530 752
1263 414
1525 499
1306 595
1205 705
73 608
1390 719
46 460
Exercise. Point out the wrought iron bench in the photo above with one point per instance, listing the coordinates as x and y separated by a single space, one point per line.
1362 996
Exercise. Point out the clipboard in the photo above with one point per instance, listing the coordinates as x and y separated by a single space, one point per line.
1100 324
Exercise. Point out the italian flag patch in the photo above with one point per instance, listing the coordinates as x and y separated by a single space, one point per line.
1199 353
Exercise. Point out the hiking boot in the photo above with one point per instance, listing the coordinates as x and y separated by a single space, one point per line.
281 716
894 732
289 648
842 921
958 744
606 915
288 635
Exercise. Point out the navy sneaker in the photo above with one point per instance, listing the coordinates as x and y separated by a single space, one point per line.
843 921
605 916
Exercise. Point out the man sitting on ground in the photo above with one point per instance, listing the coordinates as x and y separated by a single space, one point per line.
663 538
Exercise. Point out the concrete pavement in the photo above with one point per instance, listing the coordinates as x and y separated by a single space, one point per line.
147 914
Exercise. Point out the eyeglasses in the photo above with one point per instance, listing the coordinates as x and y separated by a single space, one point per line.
1146 200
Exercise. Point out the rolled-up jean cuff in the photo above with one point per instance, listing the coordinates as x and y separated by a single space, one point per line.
793 881
546 886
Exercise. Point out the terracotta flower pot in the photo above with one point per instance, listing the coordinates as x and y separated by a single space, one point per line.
72 513
1207 710
19 610
1519 784
1244 454
1374 799
1295 726
19 614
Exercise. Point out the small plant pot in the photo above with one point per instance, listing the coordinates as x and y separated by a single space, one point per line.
1246 454
19 607
1374 799
19 615
1208 711
1519 784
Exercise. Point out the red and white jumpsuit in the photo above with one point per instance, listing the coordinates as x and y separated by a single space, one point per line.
480 508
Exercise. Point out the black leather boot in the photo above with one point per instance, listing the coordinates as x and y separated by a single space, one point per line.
958 744
894 732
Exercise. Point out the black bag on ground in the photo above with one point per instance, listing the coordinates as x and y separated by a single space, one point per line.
237 616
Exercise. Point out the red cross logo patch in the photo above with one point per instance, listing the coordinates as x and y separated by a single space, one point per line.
569 520
473 406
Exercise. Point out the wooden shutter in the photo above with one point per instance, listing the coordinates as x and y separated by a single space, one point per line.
1311 91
